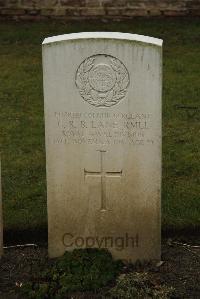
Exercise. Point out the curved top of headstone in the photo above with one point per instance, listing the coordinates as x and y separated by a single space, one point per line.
104 35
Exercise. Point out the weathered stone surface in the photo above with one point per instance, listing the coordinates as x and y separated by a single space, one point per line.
135 12
195 12
105 9
102 96
175 12
93 3
32 3
32 18
47 12
2 3
11 3
72 12
72 3
13 12
92 12
33 12
115 3
114 12
60 12
155 12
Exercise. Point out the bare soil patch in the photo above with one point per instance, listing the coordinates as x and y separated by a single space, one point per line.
180 268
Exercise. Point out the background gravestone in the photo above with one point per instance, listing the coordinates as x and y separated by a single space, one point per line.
102 95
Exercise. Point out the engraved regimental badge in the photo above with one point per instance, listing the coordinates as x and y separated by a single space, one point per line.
102 80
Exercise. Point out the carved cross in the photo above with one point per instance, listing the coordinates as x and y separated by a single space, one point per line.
103 174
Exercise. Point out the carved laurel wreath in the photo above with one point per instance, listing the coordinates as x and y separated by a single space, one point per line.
97 98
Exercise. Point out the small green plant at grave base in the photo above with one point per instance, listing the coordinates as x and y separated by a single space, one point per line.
139 286
79 270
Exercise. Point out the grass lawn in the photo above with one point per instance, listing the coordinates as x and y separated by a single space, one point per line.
22 123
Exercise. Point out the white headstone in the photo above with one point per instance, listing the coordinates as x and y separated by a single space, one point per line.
102 96
1 218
